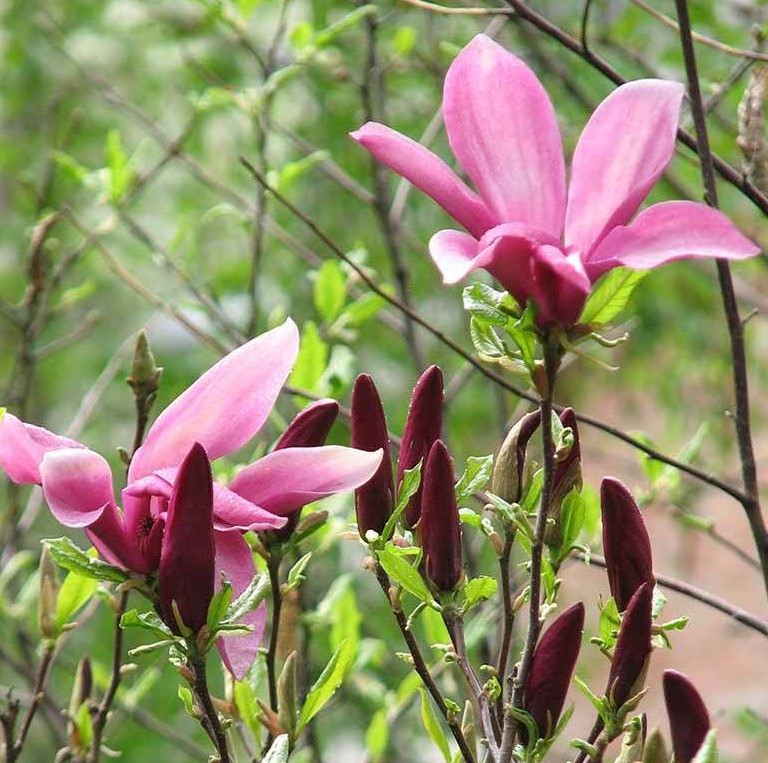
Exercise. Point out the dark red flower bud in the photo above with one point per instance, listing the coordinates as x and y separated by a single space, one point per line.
423 426
188 551
509 466
552 668
627 547
633 647
374 501
439 527
688 716
308 429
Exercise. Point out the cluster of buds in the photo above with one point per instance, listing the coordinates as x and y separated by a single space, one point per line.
375 500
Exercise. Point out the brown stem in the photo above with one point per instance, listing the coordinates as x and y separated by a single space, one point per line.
100 717
508 621
424 674
211 716
13 750
733 319
273 568
551 361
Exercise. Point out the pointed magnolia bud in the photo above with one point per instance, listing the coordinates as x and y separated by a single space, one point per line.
509 466
552 668
49 595
81 693
287 693
625 542
308 429
439 527
655 750
374 501
423 426
188 551
688 716
145 373
633 648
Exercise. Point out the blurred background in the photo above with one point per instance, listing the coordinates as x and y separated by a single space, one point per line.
124 205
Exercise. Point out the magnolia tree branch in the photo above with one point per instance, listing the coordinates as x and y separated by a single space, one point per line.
210 721
424 673
551 363
733 319
273 568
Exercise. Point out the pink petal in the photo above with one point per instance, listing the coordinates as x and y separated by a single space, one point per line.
22 447
225 407
560 286
428 173
672 230
109 537
234 559
623 150
77 484
287 479
503 130
454 254
232 511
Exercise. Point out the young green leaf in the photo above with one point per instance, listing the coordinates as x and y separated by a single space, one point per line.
69 557
432 727
479 589
405 575
278 752
475 477
611 295
249 599
330 680
330 291
75 592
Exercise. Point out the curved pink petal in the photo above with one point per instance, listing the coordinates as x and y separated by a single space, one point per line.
428 173
225 407
454 254
560 287
672 230
22 447
234 559
503 130
233 512
77 484
109 537
286 479
624 148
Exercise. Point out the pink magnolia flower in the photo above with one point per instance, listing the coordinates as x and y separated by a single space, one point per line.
540 241
222 411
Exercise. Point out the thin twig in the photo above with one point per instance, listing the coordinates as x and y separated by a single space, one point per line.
273 567
211 716
733 319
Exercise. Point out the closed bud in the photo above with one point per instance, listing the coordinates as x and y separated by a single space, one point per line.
308 429
287 695
626 544
423 426
509 466
439 527
49 595
145 373
188 551
374 501
81 694
655 750
633 648
688 716
551 669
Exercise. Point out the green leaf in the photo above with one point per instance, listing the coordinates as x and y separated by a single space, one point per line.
609 622
475 477
433 727
69 557
708 751
363 309
573 511
479 589
117 165
330 290
249 599
484 338
185 695
247 706
296 575
74 593
523 333
404 41
312 359
278 752
471 518
217 609
484 302
148 621
84 723
405 575
377 735
330 680
611 295
407 488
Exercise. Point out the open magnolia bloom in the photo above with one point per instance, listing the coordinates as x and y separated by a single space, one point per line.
540 241
221 411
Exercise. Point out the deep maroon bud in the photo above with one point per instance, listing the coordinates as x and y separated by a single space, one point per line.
308 429
552 668
188 551
423 426
374 501
625 542
439 527
688 716
633 648
509 465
